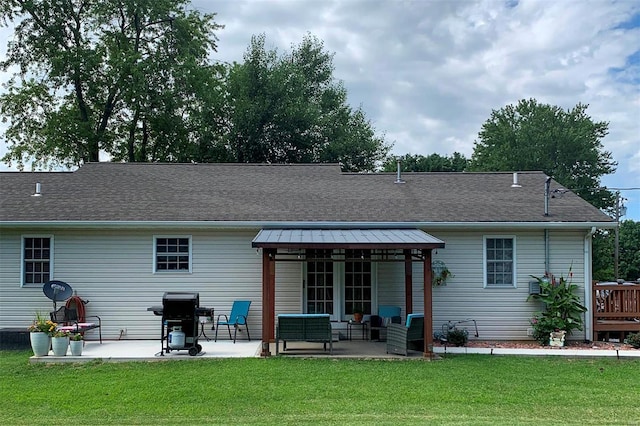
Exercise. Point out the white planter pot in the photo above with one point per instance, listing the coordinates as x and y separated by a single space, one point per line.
76 347
40 343
60 345
556 338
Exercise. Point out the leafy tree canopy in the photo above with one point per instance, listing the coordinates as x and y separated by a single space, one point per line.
432 163
290 109
566 145
628 253
128 78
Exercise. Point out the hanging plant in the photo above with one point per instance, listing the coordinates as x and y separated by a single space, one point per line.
440 273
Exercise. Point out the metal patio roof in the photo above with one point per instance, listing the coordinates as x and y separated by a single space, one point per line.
346 238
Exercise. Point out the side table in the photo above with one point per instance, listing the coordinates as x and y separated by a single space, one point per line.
351 324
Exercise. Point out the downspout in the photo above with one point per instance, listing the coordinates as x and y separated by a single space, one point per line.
547 188
547 266
588 319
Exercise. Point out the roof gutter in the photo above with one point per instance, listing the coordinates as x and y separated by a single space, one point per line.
306 225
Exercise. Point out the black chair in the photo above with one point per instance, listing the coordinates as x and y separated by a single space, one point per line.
67 320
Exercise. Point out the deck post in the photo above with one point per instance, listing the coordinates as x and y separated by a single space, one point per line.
268 299
428 305
408 282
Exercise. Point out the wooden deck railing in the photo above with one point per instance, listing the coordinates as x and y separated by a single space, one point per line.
616 307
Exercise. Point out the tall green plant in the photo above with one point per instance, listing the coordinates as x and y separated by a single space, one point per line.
563 310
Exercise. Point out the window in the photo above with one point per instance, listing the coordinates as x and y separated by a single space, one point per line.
499 255
319 282
172 254
357 281
36 259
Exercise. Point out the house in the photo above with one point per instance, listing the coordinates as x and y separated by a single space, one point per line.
290 238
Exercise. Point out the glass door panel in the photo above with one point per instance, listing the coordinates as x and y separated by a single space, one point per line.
357 281
319 293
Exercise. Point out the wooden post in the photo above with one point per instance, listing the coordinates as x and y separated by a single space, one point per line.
428 305
408 282
268 299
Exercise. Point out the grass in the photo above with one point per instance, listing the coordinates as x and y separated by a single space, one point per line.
469 389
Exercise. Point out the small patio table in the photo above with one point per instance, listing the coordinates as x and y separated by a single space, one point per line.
351 324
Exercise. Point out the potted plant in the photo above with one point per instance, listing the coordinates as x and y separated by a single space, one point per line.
76 343
563 310
358 314
458 337
440 273
40 335
60 342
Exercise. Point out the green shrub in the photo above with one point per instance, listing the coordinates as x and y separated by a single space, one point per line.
563 310
458 337
633 339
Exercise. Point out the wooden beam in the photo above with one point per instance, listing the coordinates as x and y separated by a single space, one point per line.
268 300
408 282
428 306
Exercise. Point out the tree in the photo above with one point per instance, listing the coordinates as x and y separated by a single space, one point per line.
629 250
127 78
564 144
432 163
628 253
289 109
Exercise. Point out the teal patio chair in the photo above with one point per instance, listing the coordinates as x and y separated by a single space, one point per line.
237 317
402 337
378 323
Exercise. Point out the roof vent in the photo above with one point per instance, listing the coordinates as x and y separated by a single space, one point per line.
515 183
398 178
38 192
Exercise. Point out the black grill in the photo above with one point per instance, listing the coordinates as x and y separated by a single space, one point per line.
180 309
180 306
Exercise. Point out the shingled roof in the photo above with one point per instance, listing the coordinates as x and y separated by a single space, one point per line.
300 193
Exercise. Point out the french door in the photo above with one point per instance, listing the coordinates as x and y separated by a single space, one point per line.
338 288
320 294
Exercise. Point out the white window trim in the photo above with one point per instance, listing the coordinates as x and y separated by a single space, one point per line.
484 261
22 260
171 271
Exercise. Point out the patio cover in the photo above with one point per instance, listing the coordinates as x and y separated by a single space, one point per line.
270 240
346 238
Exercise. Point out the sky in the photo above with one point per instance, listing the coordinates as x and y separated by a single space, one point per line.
428 73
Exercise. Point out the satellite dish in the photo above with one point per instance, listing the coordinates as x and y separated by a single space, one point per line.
57 291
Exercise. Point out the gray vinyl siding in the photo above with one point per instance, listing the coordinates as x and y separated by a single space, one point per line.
288 288
391 285
114 271
501 313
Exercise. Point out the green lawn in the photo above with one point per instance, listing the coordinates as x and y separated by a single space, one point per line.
469 389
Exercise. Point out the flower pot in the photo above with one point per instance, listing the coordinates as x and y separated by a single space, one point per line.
357 317
40 343
556 338
60 345
76 347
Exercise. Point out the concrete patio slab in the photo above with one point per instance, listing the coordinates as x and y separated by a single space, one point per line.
150 350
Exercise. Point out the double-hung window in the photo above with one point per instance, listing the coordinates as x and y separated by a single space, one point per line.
37 256
172 254
499 261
